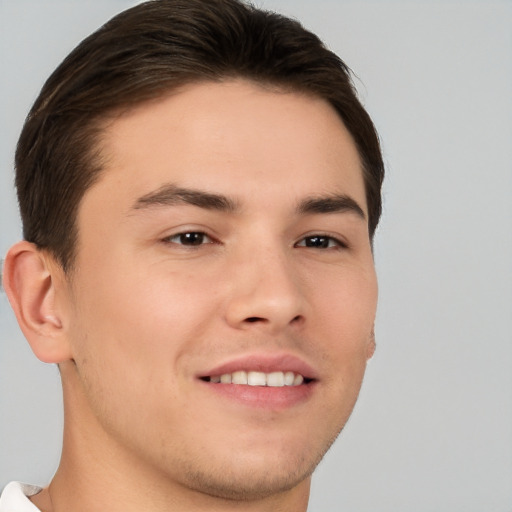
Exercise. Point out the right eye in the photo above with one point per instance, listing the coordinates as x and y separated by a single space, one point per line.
189 238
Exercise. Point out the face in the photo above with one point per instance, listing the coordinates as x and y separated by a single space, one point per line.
225 241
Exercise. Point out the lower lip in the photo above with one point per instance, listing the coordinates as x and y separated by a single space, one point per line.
265 397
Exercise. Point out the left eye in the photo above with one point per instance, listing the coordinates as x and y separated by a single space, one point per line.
191 238
320 242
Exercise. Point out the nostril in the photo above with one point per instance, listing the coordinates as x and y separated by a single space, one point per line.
253 319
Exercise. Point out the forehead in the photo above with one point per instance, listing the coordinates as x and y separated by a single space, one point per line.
233 136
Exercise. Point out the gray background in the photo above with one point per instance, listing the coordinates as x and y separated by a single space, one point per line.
432 431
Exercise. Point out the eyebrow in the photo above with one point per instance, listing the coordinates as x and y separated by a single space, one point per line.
170 195
337 203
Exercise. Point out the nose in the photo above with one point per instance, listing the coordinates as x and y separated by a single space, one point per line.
266 293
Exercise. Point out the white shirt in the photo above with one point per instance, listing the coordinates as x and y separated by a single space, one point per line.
14 498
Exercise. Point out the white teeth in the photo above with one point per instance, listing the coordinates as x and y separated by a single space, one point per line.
289 378
226 378
256 379
298 380
275 379
252 378
239 377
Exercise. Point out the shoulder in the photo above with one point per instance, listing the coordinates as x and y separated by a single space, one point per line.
14 497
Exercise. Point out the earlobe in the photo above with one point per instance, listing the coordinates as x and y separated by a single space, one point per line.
30 282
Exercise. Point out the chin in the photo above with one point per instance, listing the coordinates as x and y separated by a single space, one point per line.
254 476
234 484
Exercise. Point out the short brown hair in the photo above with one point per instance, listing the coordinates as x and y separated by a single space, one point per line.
144 53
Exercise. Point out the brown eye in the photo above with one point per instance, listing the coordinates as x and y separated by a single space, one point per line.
320 242
317 241
192 238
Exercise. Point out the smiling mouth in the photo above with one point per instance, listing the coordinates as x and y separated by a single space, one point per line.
262 379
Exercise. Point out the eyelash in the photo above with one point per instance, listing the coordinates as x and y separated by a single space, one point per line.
181 236
321 239
317 241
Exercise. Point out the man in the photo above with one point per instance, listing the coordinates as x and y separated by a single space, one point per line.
199 188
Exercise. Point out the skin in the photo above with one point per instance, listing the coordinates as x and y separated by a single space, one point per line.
143 314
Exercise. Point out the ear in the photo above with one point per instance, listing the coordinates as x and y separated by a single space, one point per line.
31 280
370 349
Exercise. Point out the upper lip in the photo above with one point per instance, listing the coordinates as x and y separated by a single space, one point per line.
266 363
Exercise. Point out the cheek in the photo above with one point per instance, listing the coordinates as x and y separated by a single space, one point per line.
138 319
345 320
128 336
346 303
